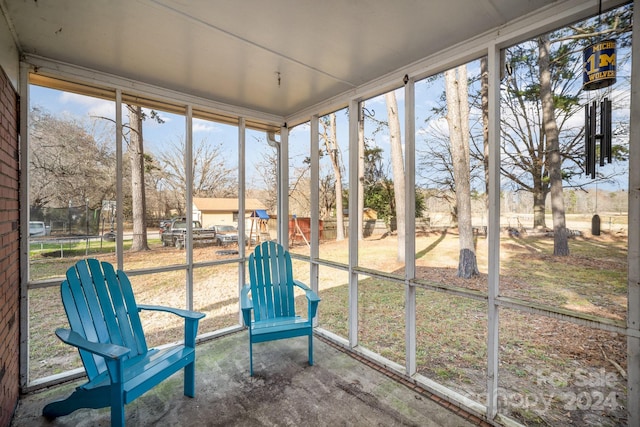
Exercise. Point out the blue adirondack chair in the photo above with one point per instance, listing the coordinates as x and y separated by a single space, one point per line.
106 329
272 300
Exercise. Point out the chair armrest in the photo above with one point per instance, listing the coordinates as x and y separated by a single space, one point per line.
246 304
109 351
311 295
191 319
312 299
187 314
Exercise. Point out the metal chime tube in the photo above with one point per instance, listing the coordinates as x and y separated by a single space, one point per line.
591 136
606 140
587 141
592 139
603 119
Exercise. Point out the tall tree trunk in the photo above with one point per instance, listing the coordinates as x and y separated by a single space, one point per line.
560 239
397 164
539 198
136 155
334 155
458 120
484 95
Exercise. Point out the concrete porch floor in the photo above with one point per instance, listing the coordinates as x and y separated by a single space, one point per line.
339 390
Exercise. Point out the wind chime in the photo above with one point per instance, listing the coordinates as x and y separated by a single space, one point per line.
599 71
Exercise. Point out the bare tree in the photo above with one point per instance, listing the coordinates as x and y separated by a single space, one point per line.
552 135
329 136
59 172
136 157
266 187
397 163
458 120
60 176
158 196
300 192
327 196
437 167
212 175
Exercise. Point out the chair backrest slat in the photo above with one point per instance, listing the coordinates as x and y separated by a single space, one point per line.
288 273
258 290
106 304
271 279
279 292
132 319
258 280
87 286
270 264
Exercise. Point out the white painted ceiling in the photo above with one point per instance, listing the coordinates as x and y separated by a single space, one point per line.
272 56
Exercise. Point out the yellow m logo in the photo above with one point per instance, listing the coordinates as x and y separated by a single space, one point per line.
607 60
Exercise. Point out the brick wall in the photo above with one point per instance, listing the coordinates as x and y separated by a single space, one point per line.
9 252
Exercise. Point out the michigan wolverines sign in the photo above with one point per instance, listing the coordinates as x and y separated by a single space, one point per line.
599 69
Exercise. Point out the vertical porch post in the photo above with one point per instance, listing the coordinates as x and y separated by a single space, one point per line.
242 184
493 229
188 168
315 204
242 187
119 178
283 184
355 117
189 172
633 275
410 224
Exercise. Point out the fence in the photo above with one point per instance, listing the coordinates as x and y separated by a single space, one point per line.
70 221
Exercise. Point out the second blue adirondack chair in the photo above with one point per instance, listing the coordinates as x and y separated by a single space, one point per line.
106 329
268 302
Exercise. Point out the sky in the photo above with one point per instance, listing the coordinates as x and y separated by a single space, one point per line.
84 107
158 135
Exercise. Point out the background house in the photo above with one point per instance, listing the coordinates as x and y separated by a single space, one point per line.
222 211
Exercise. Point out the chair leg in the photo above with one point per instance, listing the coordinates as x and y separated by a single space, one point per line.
250 357
80 398
311 349
116 373
190 380
117 407
117 416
